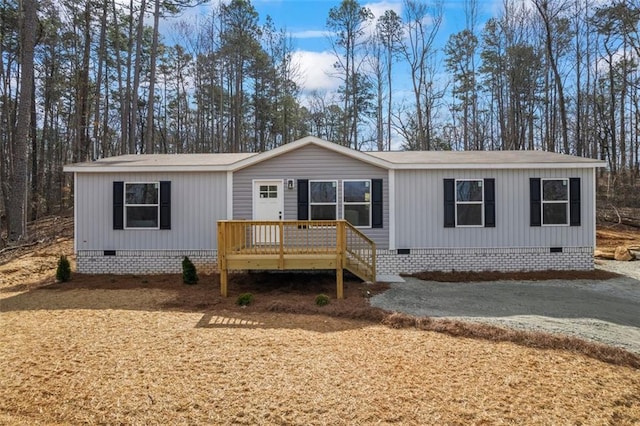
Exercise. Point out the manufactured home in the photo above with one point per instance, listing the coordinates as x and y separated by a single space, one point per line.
416 211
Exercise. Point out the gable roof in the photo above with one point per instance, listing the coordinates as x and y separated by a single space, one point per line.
383 159
312 140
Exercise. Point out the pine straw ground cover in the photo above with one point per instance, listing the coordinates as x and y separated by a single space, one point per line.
150 350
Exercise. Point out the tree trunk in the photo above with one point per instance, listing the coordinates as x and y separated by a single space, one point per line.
16 209
148 136
35 195
101 60
133 118
81 151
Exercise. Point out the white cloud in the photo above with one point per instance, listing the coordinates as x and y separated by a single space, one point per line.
315 69
379 8
310 34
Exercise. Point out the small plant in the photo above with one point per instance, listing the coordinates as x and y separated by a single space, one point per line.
189 274
245 299
63 273
322 300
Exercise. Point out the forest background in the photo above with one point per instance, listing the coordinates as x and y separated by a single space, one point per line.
81 80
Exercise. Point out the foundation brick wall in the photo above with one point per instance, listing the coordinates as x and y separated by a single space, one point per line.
144 261
484 259
387 261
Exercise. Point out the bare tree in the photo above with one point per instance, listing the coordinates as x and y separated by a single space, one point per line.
390 32
422 22
348 21
549 15
17 205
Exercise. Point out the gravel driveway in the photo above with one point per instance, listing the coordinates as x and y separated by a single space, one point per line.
602 311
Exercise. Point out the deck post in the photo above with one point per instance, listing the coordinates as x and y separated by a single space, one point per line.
222 259
373 262
340 247
281 241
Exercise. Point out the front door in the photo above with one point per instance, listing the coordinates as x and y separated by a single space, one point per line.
268 203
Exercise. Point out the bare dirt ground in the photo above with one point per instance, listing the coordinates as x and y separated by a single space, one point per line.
612 236
150 350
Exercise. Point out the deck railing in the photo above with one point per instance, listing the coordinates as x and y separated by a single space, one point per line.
293 244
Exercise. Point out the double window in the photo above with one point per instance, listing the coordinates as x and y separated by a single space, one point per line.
323 199
555 201
356 201
469 202
141 205
362 201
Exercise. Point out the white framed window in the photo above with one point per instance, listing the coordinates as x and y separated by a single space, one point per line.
469 202
141 205
323 199
356 202
555 202
268 191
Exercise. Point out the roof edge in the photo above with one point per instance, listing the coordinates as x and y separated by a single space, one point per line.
311 140
71 168
497 166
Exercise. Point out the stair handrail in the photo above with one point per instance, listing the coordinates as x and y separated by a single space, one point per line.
371 245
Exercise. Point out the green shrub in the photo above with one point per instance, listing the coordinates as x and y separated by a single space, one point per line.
63 273
189 275
322 300
244 299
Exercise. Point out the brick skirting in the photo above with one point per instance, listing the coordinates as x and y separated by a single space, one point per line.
484 259
387 261
143 261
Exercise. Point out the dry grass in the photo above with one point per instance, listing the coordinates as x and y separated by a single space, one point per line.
537 340
150 350
80 362
292 293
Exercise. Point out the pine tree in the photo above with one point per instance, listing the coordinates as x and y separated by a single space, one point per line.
189 275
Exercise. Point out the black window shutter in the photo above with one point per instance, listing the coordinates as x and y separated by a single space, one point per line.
165 205
303 199
535 198
490 203
574 201
118 205
449 203
376 203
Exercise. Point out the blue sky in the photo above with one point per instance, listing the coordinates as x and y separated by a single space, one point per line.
305 22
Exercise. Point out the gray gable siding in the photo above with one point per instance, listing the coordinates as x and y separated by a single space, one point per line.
198 201
420 212
309 162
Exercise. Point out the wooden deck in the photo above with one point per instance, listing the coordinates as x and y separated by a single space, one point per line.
295 245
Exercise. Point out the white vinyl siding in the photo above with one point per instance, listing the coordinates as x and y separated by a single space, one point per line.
419 212
198 201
